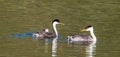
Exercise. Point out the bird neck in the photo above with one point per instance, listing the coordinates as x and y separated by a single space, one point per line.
55 30
93 35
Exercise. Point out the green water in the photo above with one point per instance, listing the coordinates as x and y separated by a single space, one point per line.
32 15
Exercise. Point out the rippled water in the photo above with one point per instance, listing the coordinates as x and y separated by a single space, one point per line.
31 15
104 47
75 50
82 50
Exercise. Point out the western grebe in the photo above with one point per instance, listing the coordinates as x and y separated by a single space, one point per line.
46 33
83 37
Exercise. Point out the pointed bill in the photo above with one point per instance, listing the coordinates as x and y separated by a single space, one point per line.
83 30
62 23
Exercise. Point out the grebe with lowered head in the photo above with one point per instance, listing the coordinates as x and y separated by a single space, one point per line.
83 37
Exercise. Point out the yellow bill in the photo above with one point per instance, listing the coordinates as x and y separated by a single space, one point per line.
62 23
83 30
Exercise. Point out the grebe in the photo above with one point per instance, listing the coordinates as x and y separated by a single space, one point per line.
45 33
83 37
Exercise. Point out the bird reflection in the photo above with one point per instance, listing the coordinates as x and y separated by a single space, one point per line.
54 47
89 48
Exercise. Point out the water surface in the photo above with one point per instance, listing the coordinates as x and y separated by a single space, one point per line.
32 15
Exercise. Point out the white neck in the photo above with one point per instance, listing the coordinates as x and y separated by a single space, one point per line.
54 42
55 30
93 35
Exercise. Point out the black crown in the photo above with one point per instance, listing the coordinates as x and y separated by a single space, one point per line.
88 26
56 20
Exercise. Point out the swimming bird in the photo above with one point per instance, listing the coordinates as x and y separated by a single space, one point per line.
40 34
83 37
46 33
